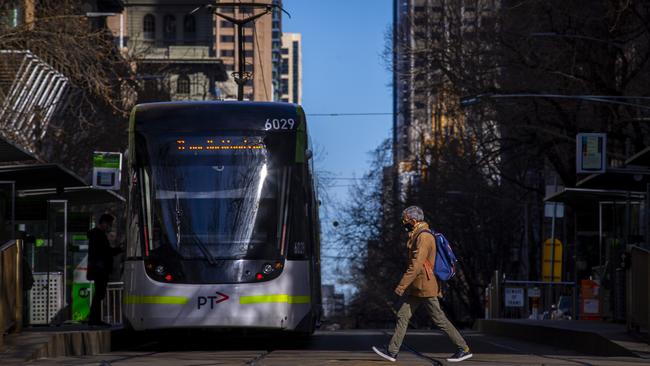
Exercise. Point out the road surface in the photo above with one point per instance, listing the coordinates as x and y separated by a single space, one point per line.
345 347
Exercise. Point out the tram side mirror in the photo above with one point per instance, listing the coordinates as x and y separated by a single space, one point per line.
308 154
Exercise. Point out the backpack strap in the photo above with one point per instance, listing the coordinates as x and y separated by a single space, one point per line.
428 267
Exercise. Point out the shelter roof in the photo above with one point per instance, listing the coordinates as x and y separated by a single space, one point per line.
10 152
40 176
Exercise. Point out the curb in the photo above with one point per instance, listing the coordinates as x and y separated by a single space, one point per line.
576 340
30 346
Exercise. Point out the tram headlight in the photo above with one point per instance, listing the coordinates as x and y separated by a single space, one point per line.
267 269
160 270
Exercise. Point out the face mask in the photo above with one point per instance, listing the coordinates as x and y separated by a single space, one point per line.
407 226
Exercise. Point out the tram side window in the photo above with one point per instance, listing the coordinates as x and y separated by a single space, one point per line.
299 238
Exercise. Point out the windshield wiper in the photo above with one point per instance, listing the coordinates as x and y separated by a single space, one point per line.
195 240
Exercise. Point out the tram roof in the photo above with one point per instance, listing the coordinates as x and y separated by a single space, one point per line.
223 114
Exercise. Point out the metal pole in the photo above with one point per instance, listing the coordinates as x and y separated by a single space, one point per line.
647 216
13 210
553 236
121 31
18 311
600 234
241 56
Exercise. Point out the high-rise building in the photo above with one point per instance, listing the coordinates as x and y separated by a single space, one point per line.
424 112
260 43
291 69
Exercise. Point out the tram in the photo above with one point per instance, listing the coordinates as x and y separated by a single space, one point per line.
223 228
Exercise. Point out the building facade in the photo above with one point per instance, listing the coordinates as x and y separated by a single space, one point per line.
425 103
291 69
261 39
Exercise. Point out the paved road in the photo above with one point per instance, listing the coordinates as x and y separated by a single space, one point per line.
327 348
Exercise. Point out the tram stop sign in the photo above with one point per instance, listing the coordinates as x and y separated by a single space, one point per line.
591 153
107 168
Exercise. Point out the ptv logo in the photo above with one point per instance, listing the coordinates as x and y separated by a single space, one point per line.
212 300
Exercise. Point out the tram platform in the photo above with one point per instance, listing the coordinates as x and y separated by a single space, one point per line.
48 342
590 337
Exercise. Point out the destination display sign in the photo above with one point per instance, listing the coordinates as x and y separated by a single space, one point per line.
208 144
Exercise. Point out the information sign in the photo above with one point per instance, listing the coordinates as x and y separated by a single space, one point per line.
591 153
514 297
107 168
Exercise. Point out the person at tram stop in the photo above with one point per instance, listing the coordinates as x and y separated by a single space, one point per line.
422 288
100 264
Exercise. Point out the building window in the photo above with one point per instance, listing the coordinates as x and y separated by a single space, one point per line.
227 53
149 26
169 26
183 84
189 25
285 86
285 51
226 24
284 70
227 38
248 39
296 63
248 53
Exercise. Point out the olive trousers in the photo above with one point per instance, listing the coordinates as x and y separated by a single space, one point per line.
435 312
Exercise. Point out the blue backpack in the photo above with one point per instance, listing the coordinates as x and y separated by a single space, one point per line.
445 266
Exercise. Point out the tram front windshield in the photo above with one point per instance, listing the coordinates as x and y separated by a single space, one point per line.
215 198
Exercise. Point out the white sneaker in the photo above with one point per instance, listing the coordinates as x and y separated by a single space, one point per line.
383 352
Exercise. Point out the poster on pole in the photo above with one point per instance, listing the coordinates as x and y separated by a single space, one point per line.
107 168
591 153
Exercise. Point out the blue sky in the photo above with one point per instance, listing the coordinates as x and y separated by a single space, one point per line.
343 72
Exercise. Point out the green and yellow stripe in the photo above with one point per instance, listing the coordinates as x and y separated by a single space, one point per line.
280 298
158 300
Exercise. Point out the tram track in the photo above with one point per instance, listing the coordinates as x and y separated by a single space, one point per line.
259 358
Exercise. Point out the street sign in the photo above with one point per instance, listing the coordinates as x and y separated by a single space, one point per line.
514 297
591 153
556 261
107 168
534 292
554 209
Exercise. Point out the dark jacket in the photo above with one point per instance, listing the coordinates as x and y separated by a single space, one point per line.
419 280
100 255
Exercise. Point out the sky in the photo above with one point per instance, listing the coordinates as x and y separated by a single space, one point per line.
343 72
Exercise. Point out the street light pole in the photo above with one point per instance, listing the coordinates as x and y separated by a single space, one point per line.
241 76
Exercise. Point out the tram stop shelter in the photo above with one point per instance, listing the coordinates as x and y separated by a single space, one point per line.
46 210
610 215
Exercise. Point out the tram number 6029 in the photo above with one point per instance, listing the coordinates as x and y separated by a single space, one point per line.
279 124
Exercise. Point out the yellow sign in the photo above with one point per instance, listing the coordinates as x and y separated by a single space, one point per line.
557 263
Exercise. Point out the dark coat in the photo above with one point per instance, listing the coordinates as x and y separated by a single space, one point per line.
100 255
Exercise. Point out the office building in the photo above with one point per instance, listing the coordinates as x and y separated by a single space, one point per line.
291 70
260 44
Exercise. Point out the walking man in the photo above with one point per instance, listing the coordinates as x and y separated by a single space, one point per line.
422 288
100 265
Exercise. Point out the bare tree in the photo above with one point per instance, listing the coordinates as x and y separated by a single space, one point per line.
85 106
